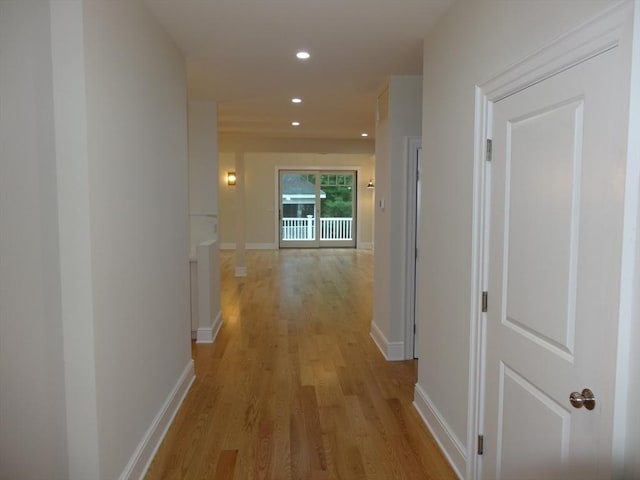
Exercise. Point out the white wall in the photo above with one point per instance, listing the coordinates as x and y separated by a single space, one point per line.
203 171
402 103
94 330
138 181
260 191
475 40
235 142
32 397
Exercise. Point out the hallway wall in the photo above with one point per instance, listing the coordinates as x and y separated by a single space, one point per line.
138 187
94 238
32 384
203 172
399 117
473 41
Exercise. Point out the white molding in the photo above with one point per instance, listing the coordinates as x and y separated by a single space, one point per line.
241 271
475 403
395 351
391 351
146 450
412 146
579 44
209 334
624 448
449 443
249 246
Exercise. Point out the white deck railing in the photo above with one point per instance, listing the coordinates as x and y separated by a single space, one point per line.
304 228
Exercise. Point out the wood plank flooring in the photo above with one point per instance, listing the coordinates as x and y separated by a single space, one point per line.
294 387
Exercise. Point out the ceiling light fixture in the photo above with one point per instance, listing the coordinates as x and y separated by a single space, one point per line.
296 100
302 55
295 124
363 134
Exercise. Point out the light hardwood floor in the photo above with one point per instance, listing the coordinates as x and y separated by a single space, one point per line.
294 387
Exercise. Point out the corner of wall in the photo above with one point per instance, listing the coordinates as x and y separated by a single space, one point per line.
147 448
451 446
391 351
209 334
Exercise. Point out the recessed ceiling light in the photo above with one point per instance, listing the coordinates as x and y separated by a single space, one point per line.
302 55
296 100
363 134
295 124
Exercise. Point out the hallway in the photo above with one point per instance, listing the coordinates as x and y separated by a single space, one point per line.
294 387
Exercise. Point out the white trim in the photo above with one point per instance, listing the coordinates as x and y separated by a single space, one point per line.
261 246
412 146
241 271
624 448
600 34
592 38
146 450
209 334
391 351
451 446
249 246
481 175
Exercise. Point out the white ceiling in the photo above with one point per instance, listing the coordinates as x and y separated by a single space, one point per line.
241 53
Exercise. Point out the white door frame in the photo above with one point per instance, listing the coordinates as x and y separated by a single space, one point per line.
360 188
612 29
413 144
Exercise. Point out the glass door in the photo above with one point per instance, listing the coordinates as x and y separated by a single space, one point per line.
337 209
317 208
298 209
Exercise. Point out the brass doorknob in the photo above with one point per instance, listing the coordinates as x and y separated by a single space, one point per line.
585 399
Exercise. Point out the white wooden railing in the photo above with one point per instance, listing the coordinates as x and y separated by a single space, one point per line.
335 228
298 228
304 228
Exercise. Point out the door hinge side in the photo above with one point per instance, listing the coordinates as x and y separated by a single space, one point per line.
480 444
485 301
489 149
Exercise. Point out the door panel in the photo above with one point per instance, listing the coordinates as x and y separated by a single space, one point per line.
543 191
337 208
298 209
555 220
546 438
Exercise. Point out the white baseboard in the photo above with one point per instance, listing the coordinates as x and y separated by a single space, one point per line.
261 246
249 246
451 446
143 455
391 351
209 334
241 271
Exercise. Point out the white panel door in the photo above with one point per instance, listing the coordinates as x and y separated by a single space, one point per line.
555 220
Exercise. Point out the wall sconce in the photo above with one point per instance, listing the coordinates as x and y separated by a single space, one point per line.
231 178
370 184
